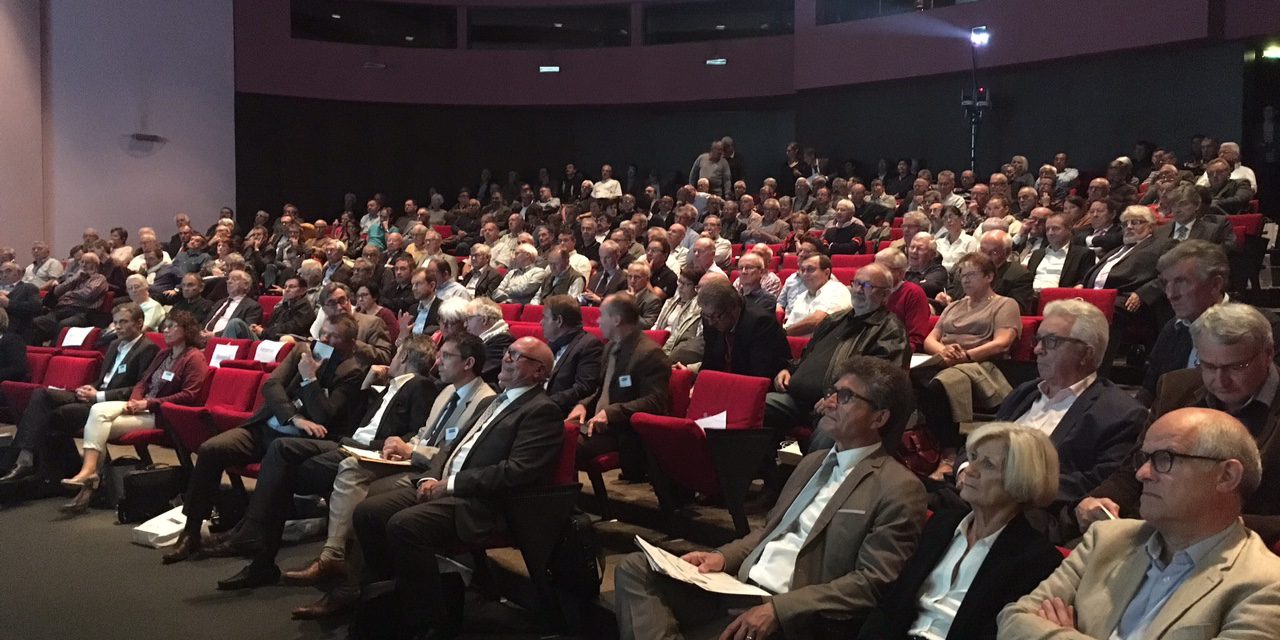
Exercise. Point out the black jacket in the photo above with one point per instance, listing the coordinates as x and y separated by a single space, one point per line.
486 280
290 318
405 415
1173 348
248 310
135 364
759 348
333 400
24 305
1212 228
1079 261
578 372
13 357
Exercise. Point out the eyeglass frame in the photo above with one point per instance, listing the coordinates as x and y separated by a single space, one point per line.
851 395
1053 341
1140 457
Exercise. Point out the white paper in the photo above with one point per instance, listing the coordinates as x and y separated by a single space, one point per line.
790 454
267 351
717 421
372 456
918 359
223 352
75 336
673 567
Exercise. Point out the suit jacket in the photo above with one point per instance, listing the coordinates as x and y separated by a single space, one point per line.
1092 438
1173 348
473 406
650 306
878 334
13 357
372 342
1078 263
1018 560
248 310
1135 273
519 449
333 400
604 287
135 363
495 346
1232 198
858 544
396 296
1212 228
341 274
290 318
201 307
406 413
24 306
1237 591
578 372
1012 281
760 346
433 316
189 372
486 280
1185 388
1111 237
649 370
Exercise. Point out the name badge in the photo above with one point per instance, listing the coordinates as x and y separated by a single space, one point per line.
121 368
450 434
167 376
298 403
624 381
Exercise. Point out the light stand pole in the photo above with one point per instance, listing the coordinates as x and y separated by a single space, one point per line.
978 101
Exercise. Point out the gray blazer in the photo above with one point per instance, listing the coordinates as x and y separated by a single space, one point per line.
475 403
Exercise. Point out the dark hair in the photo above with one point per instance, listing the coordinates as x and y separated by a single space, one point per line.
564 307
888 388
133 309
719 296
190 326
470 346
405 258
124 235
373 288
692 273
662 242
301 282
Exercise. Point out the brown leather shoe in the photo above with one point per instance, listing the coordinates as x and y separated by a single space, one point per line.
318 571
328 606
186 547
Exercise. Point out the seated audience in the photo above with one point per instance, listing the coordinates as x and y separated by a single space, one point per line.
305 396
638 286
739 338
397 290
661 275
924 266
1099 229
446 287
1093 422
1191 219
681 315
367 294
45 270
561 278
1130 269
970 564
423 318
1237 375
176 374
1012 279
237 306
1032 235
1228 196
811 565
481 278
845 233
823 296
752 271
514 444
524 280
1188 569
191 299
483 319
609 278
309 466
952 241
577 368
1061 262
75 300
906 300
636 376
971 334
21 300
13 357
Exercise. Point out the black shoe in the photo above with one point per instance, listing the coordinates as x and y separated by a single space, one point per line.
231 548
253 575
18 472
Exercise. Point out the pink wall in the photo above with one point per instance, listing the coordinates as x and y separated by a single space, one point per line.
22 162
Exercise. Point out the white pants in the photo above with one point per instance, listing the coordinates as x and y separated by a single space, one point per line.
108 420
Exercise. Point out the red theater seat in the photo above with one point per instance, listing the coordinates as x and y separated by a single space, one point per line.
63 372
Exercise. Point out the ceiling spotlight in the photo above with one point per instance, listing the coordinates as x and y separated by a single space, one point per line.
719 27
408 38
1272 52
558 25
717 62
336 16
549 69
979 36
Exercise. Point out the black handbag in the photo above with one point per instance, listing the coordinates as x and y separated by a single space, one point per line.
148 492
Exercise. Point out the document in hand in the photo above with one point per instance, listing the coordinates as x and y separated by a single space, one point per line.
673 567
368 455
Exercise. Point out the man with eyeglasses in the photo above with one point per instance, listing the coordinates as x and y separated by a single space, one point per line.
811 562
1236 375
1091 422
737 337
1189 569
823 296
373 345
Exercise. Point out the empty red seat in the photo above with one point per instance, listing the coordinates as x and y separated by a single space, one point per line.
63 372
157 338
268 304
37 364
851 261
531 313
525 330
790 261
242 345
511 312
444 230
659 336
1024 349
591 316
1252 222
844 275
798 343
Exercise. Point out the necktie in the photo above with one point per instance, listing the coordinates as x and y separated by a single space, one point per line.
213 321
473 433
433 437
609 369
1180 233
792 515
728 352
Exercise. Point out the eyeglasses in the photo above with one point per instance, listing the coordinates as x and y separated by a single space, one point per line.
1235 367
845 396
865 285
1052 342
1162 460
515 356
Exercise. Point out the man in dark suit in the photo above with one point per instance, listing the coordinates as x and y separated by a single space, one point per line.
1130 269
13 352
53 416
738 338
397 292
1092 422
481 278
847 520
1012 279
335 266
1227 196
20 299
578 367
305 397
636 378
514 444
484 320
1237 374
237 306
1061 263
649 303
608 278
191 298
308 466
292 316
1189 205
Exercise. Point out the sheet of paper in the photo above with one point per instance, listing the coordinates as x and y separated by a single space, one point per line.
790 454
673 567
717 421
223 352
267 350
370 455
76 336
918 359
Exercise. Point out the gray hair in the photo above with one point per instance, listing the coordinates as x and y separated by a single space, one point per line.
918 218
1088 324
453 310
1138 211
891 258
1210 259
927 237
485 308
528 249
1030 473
1218 435
1232 323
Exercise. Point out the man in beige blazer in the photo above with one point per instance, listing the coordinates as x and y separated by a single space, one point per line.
843 527
1191 570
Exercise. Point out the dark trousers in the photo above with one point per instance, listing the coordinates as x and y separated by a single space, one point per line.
48 429
399 538
245 445
46 327
632 458
291 466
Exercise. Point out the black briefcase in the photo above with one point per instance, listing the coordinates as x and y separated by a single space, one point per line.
148 492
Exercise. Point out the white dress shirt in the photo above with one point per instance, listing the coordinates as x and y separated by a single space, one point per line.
118 365
1049 272
951 251
364 435
944 591
459 457
1100 280
1047 411
832 297
226 314
777 563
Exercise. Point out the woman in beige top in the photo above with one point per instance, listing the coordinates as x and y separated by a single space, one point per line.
971 334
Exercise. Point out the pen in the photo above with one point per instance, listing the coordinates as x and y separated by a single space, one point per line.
1107 512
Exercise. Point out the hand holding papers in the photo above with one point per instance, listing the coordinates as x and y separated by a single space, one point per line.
368 455
673 567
